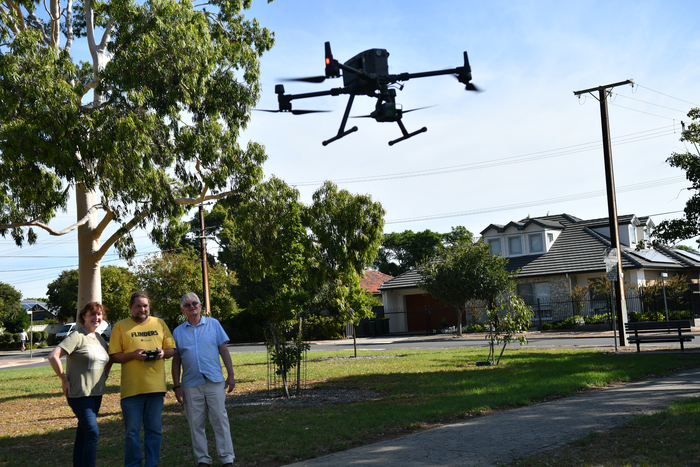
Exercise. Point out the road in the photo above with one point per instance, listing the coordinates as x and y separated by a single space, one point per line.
574 340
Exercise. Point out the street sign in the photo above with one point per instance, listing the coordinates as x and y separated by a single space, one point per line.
610 259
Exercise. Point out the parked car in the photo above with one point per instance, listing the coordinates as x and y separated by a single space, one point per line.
105 329
64 331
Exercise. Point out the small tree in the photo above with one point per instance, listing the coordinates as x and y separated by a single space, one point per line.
578 295
506 323
465 271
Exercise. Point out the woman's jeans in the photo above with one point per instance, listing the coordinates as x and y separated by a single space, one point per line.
85 447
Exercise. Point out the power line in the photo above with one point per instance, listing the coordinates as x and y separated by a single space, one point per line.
560 199
666 95
529 157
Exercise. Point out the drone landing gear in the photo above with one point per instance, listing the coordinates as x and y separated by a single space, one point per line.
406 134
341 131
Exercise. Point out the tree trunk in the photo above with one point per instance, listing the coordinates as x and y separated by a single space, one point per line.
459 321
298 389
89 278
354 338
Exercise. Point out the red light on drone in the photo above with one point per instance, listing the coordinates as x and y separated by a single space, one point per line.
328 61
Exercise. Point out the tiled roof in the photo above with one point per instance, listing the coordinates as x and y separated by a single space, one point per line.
408 279
373 279
579 249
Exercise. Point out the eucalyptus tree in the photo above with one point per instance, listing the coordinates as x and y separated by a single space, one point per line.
146 122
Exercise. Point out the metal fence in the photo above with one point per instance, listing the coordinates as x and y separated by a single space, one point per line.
429 318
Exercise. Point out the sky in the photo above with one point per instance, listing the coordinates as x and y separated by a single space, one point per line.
525 146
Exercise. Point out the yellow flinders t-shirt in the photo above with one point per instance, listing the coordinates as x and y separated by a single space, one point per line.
141 377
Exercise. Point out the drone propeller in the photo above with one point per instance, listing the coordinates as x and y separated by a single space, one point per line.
308 79
293 112
402 112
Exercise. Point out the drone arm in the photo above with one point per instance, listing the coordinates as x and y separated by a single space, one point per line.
426 74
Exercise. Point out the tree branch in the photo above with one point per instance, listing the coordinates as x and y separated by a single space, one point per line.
51 231
119 234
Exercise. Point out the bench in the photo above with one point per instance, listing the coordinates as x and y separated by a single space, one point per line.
645 332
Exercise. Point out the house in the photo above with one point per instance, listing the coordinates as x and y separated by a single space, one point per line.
371 281
39 310
409 308
553 255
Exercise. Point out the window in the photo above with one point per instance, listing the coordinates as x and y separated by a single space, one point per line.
533 291
495 245
536 245
633 235
515 247
550 237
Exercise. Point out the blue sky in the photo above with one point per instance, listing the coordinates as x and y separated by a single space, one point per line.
524 146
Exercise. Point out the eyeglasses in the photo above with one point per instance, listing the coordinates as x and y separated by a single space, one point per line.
190 305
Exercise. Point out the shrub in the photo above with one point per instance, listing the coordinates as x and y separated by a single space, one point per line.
680 314
474 327
547 326
244 326
597 319
51 340
646 316
322 328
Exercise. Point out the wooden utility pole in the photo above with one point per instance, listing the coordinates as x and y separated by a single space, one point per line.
620 301
205 271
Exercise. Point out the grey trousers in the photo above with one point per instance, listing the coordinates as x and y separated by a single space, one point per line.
208 398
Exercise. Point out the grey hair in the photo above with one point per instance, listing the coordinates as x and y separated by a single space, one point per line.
184 298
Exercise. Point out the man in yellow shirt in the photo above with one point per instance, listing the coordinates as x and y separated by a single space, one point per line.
140 344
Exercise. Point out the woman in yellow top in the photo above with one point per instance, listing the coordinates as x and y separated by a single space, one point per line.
84 381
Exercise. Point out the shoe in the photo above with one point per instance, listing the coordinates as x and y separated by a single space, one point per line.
228 464
202 464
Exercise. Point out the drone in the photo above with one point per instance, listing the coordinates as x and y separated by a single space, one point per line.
367 74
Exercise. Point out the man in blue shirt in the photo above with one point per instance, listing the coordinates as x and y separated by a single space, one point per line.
200 341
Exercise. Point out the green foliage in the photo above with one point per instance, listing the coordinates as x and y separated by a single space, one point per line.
168 276
62 293
323 327
113 129
506 322
11 312
578 295
597 319
687 227
118 283
304 257
646 316
465 271
400 252
474 327
244 326
676 315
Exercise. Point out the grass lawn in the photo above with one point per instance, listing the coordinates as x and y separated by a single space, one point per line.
417 389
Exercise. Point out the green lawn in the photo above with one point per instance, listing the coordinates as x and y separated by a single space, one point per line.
417 389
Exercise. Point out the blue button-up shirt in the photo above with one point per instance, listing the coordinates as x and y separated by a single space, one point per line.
198 347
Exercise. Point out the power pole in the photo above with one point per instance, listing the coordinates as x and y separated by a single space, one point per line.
205 272
620 301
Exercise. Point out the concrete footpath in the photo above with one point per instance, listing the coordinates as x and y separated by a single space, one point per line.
518 433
